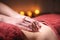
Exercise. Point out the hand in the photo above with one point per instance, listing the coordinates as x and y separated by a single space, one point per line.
24 23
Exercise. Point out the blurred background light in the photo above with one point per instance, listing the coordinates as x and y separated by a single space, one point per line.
37 11
22 13
29 13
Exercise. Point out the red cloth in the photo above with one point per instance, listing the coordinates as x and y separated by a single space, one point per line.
53 20
10 32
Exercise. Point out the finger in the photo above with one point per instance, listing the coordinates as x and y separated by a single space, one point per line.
23 27
28 19
26 25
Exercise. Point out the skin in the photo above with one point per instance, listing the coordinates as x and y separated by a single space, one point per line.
44 33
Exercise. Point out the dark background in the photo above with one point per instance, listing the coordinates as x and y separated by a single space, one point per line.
43 5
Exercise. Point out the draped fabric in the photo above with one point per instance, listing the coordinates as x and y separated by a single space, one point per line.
10 32
51 19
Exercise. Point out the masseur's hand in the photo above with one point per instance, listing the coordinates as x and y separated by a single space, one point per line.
26 23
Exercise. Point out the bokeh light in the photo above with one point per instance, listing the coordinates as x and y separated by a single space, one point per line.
29 13
22 13
37 11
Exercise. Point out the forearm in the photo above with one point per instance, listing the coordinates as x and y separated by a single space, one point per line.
4 9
